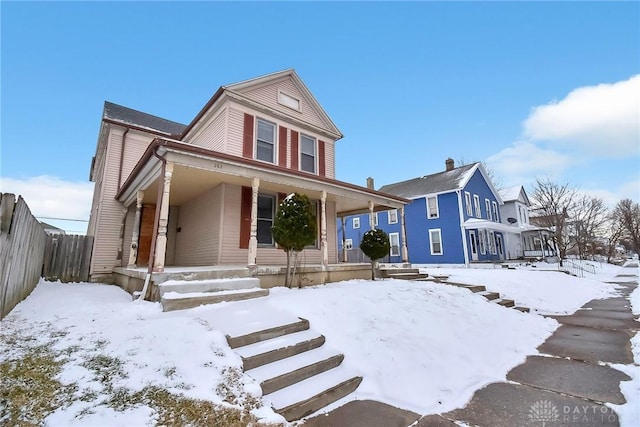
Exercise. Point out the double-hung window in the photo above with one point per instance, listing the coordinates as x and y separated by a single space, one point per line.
392 216
394 242
467 201
487 204
476 205
496 218
356 222
307 153
348 244
265 144
266 212
374 218
432 207
435 240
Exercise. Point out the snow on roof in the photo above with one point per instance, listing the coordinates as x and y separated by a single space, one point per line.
440 182
511 193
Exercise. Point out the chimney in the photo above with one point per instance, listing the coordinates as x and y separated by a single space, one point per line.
449 164
370 183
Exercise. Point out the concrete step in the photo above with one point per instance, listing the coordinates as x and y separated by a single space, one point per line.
505 302
472 288
180 301
292 370
267 334
308 396
387 272
522 309
489 295
407 276
212 285
275 349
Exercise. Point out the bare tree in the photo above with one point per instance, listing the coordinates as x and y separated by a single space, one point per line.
614 231
588 217
491 173
552 206
627 213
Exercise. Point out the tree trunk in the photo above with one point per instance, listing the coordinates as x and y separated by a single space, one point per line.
373 276
287 283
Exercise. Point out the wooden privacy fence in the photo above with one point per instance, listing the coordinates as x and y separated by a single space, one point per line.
22 243
67 258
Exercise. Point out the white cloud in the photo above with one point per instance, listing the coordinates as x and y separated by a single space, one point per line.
521 161
52 197
627 190
603 119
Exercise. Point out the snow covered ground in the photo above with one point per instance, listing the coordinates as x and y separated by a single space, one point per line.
420 346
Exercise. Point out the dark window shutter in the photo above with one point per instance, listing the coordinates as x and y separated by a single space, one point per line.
247 136
294 150
282 147
321 159
245 217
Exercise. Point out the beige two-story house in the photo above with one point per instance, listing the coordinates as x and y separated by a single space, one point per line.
206 193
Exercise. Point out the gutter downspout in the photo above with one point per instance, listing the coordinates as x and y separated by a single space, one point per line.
124 138
152 251
463 231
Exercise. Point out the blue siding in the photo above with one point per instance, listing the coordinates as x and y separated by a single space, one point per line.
355 234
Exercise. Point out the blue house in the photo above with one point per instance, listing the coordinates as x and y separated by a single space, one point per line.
454 218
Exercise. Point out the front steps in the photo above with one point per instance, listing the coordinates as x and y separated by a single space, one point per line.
491 296
183 294
297 374
402 273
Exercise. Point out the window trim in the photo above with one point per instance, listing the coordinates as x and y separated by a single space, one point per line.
348 244
397 236
438 231
356 223
476 205
283 93
492 242
487 205
437 215
482 239
467 200
375 219
395 221
496 212
273 217
273 144
315 153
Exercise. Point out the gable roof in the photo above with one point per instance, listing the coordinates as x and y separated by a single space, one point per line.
441 182
513 194
128 116
236 90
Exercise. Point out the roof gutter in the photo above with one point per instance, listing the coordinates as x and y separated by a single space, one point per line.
124 139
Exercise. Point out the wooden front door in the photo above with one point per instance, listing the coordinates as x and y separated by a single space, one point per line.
146 232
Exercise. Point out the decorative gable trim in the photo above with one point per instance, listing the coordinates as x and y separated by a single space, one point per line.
485 176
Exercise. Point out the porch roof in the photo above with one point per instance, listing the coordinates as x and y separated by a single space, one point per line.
475 223
197 169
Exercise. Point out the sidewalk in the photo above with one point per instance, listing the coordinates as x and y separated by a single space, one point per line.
564 386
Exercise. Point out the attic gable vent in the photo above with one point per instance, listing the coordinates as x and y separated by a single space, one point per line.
288 101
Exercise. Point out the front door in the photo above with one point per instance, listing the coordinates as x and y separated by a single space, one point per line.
474 245
499 244
147 219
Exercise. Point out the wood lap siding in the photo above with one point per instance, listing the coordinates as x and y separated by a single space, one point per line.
234 144
294 150
247 136
282 147
212 136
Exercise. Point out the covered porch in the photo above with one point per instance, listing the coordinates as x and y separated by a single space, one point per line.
188 207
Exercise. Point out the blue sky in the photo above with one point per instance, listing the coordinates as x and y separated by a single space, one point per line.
533 89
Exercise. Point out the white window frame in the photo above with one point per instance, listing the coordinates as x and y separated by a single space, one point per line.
437 213
437 232
496 212
348 244
492 242
273 143
314 142
392 216
487 205
482 239
375 219
467 200
272 219
392 237
476 205
356 222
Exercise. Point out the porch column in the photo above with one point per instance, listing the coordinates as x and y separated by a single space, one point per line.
121 235
344 239
135 237
323 234
403 234
253 234
163 221
371 226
